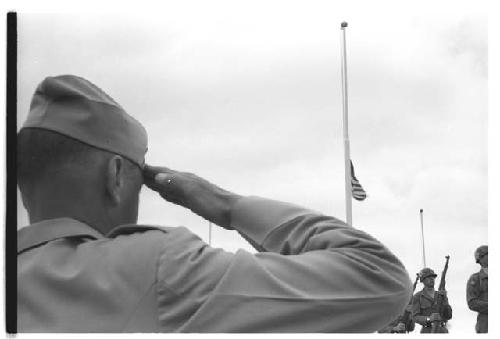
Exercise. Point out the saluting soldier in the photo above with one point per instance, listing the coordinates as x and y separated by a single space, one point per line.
477 290
84 265
425 307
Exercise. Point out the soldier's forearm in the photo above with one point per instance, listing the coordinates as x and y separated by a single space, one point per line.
478 305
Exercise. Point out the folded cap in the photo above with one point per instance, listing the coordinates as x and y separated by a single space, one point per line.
77 108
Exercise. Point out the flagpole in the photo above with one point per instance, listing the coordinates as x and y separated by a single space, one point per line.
423 241
210 233
347 162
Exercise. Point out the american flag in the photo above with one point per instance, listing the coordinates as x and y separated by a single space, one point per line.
358 192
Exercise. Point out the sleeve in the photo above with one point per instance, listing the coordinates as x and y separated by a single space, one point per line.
313 274
447 312
407 318
416 312
473 292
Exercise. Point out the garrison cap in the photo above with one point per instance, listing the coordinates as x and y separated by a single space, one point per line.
426 272
480 252
77 108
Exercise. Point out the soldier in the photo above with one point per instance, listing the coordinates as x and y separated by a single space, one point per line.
84 265
477 290
402 324
424 304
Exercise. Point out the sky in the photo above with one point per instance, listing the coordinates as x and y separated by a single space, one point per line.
248 95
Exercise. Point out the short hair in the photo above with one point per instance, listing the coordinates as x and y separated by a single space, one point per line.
41 152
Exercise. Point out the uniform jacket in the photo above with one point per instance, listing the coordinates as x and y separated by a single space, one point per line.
477 292
423 306
477 299
313 273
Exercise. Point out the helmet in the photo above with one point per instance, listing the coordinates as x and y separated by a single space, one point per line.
480 251
426 272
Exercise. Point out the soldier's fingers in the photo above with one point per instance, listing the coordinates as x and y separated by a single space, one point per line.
151 171
161 182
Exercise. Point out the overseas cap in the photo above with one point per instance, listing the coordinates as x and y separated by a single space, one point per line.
77 108
480 251
426 272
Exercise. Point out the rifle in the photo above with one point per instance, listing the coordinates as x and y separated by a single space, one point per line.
440 298
407 316
415 284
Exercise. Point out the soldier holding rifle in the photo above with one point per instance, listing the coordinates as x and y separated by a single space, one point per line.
404 323
430 308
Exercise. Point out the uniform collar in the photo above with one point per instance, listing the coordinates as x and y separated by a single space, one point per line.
424 294
47 230
482 273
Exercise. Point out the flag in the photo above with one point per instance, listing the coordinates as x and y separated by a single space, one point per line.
358 192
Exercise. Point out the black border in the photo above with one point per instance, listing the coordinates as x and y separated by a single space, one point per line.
11 178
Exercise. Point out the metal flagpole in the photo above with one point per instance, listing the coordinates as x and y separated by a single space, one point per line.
347 162
210 233
423 241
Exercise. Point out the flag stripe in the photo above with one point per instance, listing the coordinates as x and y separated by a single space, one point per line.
358 192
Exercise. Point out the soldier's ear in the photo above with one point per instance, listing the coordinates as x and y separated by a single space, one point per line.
115 178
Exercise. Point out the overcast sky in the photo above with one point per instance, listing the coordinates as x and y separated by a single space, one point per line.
249 97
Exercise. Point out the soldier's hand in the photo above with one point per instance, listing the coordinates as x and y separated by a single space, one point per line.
435 317
400 327
188 190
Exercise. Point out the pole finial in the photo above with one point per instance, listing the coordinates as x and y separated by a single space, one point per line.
343 24
421 210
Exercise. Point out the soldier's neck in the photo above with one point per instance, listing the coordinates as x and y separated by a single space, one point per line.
43 206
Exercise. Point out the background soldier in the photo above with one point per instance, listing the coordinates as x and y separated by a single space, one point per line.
477 290
404 323
424 304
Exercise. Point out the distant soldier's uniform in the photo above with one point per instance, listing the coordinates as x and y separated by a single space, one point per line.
477 293
389 328
423 306
400 324
405 321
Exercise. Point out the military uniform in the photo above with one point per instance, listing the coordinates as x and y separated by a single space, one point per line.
389 327
477 299
423 306
477 294
314 274
402 324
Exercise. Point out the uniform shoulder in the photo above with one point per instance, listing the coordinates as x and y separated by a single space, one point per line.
149 237
135 250
416 297
132 229
473 278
